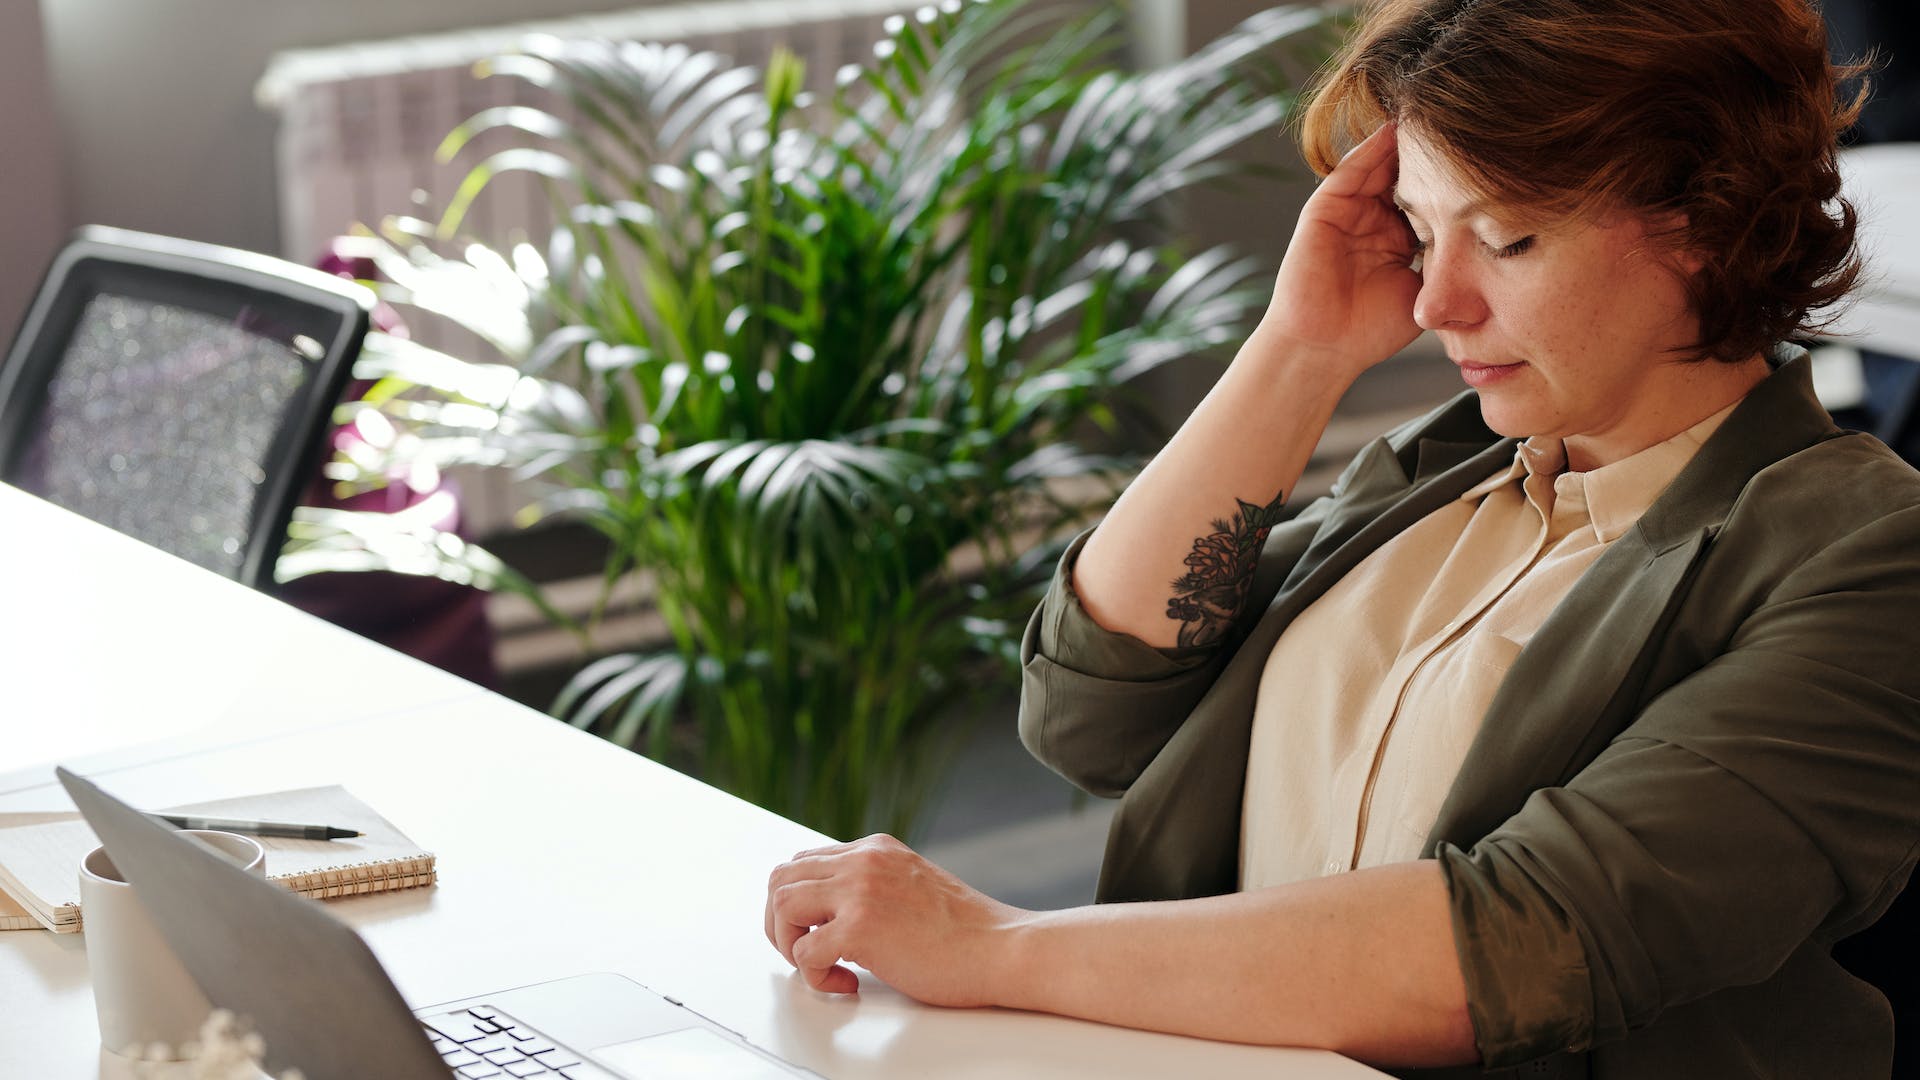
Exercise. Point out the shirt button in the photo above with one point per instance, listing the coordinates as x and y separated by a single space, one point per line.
1333 866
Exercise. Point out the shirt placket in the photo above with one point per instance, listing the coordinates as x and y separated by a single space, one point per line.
1344 847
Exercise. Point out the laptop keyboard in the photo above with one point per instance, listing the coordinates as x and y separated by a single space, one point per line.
482 1042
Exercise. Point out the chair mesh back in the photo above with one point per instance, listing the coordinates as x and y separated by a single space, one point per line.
178 392
158 422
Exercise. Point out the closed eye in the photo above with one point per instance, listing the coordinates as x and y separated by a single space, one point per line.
1518 247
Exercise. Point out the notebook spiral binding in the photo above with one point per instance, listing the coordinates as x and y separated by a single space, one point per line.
386 875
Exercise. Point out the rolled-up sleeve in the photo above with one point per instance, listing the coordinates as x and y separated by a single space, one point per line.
1096 705
1768 799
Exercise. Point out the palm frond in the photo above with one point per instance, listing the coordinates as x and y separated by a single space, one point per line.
322 540
817 364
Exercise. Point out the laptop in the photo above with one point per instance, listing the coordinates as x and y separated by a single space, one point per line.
314 991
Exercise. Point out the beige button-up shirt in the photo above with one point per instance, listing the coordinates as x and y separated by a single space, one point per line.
1370 699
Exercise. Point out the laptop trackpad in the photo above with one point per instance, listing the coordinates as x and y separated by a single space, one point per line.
689 1052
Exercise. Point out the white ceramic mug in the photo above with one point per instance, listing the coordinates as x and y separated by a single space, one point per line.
140 990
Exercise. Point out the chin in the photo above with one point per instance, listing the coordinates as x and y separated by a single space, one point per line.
1509 419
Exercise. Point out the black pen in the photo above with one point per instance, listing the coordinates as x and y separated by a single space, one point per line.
258 828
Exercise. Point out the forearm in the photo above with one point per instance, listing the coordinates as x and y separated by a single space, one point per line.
1362 963
1248 441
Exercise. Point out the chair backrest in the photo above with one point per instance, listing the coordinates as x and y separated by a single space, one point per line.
1899 425
178 392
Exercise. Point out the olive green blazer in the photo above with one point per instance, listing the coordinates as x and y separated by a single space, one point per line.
1702 771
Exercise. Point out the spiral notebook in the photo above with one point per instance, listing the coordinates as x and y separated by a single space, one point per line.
40 858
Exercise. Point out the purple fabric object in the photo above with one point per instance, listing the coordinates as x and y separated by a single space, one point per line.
440 622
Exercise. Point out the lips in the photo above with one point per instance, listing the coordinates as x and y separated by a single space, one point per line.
1478 374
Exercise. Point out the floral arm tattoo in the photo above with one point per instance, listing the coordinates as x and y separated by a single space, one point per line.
1220 573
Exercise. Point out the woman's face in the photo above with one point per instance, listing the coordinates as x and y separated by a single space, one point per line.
1564 330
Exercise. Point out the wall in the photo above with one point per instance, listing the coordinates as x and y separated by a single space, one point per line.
1255 214
154 106
33 215
155 98
1258 216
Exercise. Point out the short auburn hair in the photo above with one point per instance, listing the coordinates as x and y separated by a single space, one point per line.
1721 114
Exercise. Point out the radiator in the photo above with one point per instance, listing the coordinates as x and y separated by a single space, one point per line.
359 125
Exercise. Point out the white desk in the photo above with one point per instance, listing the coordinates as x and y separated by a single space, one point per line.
106 643
562 853
1881 179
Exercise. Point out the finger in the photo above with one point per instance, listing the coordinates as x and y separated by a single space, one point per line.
835 980
803 867
807 866
786 934
1369 168
829 849
817 958
797 908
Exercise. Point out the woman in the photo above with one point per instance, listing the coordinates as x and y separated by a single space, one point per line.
1583 717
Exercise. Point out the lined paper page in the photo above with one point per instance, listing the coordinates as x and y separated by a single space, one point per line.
15 917
13 914
40 869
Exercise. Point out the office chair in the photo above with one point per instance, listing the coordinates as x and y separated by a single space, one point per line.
1899 425
178 392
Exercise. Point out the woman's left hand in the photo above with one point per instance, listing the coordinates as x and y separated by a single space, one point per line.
877 903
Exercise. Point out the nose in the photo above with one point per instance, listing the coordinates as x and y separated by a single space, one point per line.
1450 293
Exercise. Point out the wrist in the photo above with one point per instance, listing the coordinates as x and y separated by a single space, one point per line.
1016 961
1302 369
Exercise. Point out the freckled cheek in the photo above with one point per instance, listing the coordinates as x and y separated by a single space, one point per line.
1541 314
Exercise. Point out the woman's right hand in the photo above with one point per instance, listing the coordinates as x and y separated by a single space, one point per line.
1346 288
1343 303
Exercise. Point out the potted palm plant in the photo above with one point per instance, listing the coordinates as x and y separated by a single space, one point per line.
817 365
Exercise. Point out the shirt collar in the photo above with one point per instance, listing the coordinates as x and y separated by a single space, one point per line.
1516 471
1616 494
1619 493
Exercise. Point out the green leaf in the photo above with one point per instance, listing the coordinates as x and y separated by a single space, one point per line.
539 162
812 366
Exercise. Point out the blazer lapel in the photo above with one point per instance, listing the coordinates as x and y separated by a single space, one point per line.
1177 833
1436 456
1374 514
1583 676
1574 685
